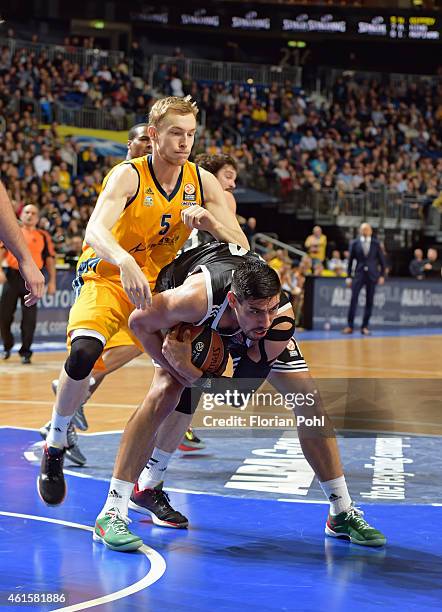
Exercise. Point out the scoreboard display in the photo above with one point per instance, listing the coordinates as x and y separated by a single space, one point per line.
310 22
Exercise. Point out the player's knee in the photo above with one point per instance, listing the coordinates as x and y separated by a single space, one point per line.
138 323
84 353
168 394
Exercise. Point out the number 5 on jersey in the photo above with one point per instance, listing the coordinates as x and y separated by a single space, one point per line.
164 224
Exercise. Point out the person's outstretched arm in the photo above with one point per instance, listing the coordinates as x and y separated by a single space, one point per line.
12 238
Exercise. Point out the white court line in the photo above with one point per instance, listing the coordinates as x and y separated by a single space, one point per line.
304 501
393 421
96 433
51 402
157 566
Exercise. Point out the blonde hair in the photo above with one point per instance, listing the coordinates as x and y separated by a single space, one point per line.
182 106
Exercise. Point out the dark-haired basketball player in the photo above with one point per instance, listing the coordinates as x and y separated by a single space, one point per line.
187 292
235 293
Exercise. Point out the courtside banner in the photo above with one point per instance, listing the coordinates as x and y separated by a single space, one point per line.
400 303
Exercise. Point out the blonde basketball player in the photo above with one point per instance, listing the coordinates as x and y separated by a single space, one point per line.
142 218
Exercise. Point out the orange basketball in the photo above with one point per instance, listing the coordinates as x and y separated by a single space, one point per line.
208 351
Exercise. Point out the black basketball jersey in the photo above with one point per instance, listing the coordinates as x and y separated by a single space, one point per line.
217 261
197 238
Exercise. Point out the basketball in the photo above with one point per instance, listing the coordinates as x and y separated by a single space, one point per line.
208 350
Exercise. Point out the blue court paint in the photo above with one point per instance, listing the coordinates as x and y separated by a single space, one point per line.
238 553
410 467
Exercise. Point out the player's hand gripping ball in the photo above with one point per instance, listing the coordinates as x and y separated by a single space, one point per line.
208 351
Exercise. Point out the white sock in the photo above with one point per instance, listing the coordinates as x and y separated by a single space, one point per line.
57 433
337 494
155 469
118 496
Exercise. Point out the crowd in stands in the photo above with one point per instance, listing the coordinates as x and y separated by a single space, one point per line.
28 77
363 136
38 168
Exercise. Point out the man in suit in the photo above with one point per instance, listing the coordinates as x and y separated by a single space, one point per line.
370 268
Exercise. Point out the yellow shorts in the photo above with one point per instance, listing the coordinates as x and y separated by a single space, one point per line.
104 307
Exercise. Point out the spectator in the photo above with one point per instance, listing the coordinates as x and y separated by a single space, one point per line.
432 265
249 229
42 163
280 259
305 266
137 55
335 261
417 265
308 142
118 111
316 245
290 280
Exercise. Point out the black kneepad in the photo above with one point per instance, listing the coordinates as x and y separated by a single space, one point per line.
85 350
189 400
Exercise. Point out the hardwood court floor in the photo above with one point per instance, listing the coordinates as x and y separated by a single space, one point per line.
26 398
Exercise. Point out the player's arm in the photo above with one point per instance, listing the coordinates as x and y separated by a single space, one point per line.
49 262
185 304
231 202
12 237
121 186
276 339
52 274
216 217
2 273
251 370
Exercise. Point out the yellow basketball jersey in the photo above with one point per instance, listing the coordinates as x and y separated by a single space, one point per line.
150 227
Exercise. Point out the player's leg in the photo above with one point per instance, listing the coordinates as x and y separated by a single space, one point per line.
148 496
97 314
139 435
136 447
170 434
318 444
290 375
114 358
72 389
119 351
